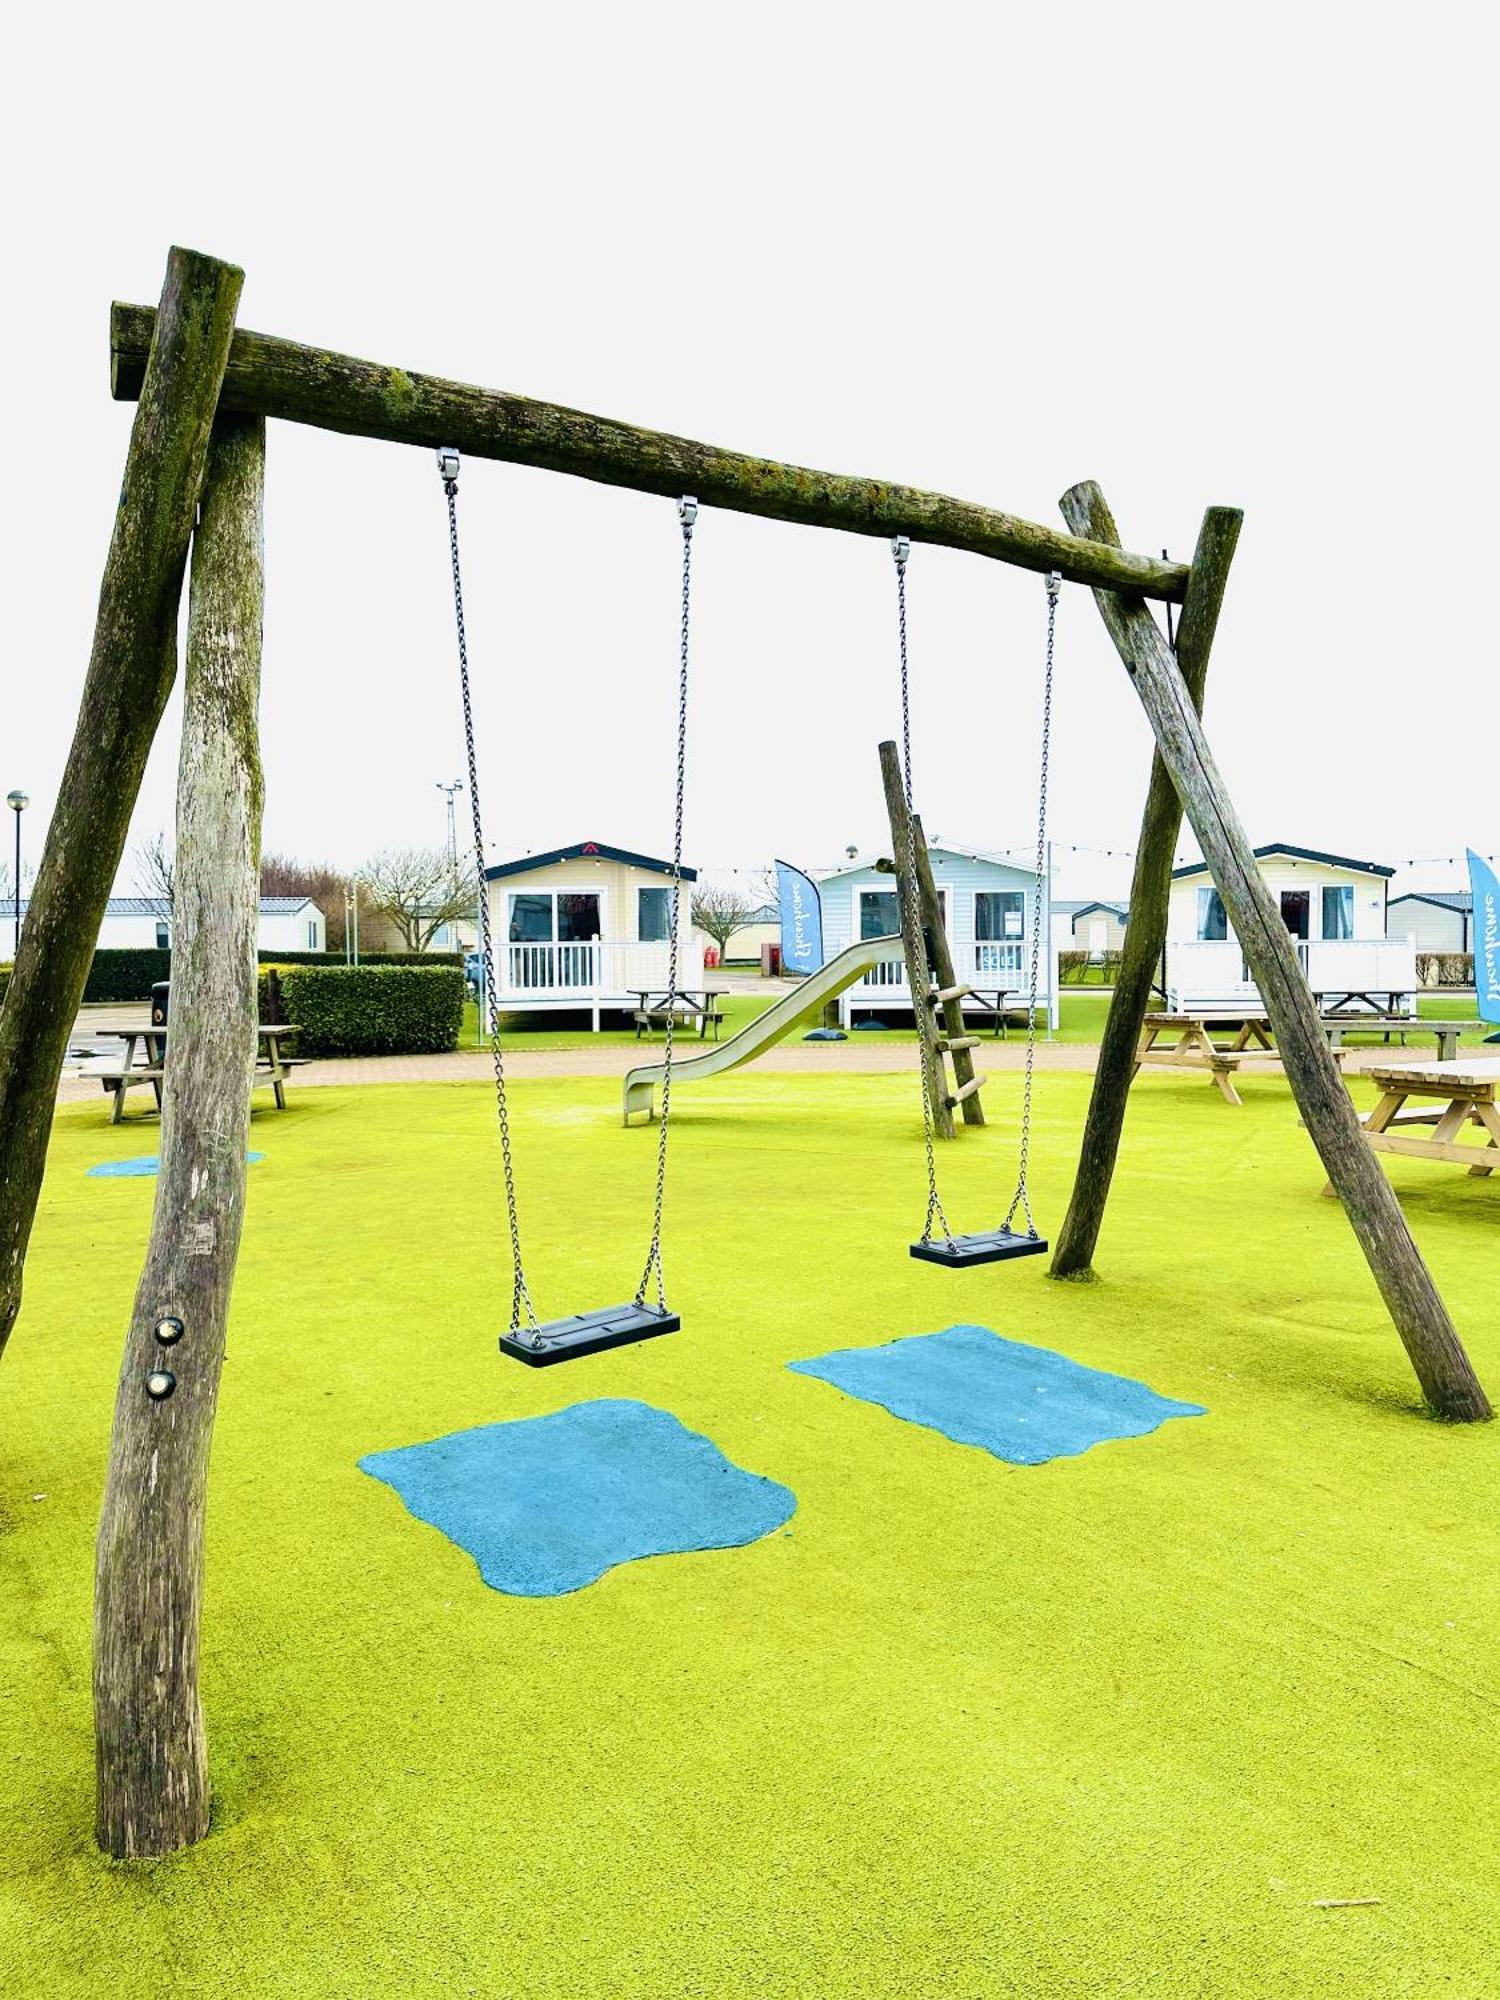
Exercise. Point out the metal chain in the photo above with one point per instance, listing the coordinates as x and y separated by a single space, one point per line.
520 1301
916 949
687 514
1022 1197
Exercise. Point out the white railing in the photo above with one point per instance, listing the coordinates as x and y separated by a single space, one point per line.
975 964
1212 973
602 966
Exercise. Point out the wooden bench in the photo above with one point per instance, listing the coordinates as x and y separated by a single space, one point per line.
1450 1097
1195 1047
117 1074
656 1017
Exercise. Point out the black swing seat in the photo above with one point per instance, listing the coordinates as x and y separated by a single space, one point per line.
586 1333
991 1246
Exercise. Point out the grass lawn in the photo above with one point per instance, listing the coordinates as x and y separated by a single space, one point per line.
1110 1725
1082 1022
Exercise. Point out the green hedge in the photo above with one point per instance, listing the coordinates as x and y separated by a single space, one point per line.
370 1010
117 976
334 958
125 975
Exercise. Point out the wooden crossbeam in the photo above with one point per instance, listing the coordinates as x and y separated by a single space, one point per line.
307 385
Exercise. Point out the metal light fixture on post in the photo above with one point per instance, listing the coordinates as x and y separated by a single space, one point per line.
18 802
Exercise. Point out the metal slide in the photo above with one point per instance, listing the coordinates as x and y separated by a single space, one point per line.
810 996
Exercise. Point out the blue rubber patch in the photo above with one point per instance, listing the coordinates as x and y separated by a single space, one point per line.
1023 1404
546 1505
141 1167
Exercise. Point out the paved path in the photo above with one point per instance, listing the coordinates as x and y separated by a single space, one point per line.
856 1057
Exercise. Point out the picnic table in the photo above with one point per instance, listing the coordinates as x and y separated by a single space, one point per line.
1331 1000
694 1004
1195 1046
117 1074
996 999
1445 1033
1449 1097
1199 1042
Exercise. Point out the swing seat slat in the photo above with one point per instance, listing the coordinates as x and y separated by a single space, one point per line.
587 1333
991 1246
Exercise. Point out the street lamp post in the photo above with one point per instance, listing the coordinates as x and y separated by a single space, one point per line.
451 790
18 802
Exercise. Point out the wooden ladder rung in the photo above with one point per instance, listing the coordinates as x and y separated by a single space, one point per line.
937 998
951 1042
966 1090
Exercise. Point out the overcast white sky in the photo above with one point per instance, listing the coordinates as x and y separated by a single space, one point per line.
1200 254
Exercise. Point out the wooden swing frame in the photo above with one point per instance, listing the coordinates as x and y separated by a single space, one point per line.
194 482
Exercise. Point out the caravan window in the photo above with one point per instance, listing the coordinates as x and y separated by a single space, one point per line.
531 920
998 914
1338 913
654 915
567 918
1212 922
880 916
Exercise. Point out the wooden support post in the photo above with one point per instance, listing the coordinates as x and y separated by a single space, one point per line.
913 944
152 1766
130 675
1145 933
942 964
339 392
1442 1367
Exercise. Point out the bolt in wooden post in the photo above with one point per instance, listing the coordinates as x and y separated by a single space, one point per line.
913 943
1442 1367
1145 933
131 670
152 1763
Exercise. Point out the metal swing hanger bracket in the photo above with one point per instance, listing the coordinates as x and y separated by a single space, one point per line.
447 465
687 512
901 550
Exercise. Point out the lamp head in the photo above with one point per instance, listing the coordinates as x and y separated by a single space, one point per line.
17 801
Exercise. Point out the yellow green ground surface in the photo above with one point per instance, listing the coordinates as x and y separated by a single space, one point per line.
1112 1725
1081 1020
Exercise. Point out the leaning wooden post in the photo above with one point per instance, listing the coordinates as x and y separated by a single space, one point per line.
1150 889
913 945
131 670
152 1766
956 1036
1412 1299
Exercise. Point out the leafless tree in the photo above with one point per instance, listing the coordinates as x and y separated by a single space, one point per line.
326 884
765 888
417 891
719 913
156 872
7 888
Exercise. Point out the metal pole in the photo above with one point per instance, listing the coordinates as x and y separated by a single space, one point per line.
18 802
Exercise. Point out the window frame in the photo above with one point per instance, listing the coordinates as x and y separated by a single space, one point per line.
1344 891
1016 896
642 890
552 897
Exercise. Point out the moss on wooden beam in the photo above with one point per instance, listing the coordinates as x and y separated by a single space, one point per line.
130 674
308 385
